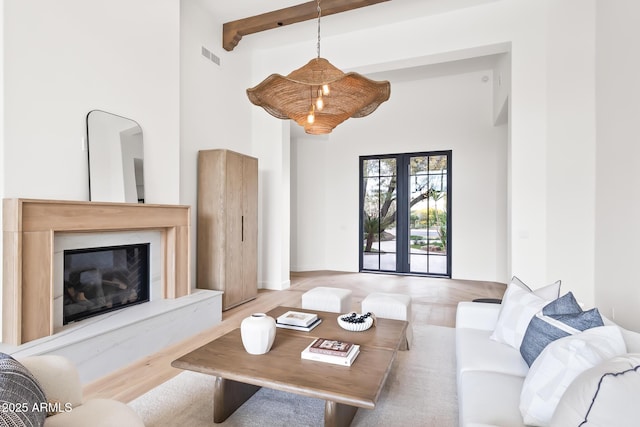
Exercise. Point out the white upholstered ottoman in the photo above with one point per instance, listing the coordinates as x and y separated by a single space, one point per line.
390 306
336 300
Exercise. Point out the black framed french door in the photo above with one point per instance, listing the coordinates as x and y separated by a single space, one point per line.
405 213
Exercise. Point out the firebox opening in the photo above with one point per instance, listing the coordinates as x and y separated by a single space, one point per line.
99 280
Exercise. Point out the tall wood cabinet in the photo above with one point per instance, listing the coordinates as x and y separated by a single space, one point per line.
227 251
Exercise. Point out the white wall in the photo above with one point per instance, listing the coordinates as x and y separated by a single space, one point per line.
551 104
501 89
2 102
516 23
65 58
68 57
274 203
571 138
617 204
216 113
2 144
309 193
452 112
214 109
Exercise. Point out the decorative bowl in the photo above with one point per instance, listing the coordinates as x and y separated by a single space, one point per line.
356 322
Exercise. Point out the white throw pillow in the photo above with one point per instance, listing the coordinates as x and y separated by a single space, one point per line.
549 292
605 395
559 364
519 305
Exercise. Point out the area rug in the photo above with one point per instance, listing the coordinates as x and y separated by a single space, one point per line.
420 392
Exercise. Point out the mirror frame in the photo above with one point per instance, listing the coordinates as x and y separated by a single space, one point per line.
115 133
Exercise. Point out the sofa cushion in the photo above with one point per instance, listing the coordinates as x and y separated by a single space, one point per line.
97 413
476 352
21 396
603 395
549 292
559 364
559 318
477 315
58 377
631 338
518 307
490 398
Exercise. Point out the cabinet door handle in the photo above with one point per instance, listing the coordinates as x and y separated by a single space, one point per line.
242 237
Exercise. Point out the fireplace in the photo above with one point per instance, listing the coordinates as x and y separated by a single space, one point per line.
36 235
32 303
104 279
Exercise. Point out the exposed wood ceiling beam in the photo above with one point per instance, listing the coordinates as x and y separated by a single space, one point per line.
233 31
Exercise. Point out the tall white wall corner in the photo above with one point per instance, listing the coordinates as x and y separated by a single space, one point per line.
501 89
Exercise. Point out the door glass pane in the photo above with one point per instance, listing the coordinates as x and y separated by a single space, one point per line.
371 256
379 214
409 234
428 214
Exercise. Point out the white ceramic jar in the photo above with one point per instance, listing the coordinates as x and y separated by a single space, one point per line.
258 332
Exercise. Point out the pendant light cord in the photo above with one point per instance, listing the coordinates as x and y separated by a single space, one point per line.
319 14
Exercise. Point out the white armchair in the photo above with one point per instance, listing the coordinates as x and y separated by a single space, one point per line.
59 378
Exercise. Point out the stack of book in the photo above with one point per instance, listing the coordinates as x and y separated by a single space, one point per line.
298 321
331 351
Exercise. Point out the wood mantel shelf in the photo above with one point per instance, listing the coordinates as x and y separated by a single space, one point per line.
29 226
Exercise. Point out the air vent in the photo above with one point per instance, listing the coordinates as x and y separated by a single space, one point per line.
210 55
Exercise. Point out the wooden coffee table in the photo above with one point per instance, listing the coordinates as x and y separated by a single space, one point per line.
238 374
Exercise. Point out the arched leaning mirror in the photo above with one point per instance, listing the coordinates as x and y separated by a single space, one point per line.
116 158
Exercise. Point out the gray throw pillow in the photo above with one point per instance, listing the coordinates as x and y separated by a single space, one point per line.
21 396
560 318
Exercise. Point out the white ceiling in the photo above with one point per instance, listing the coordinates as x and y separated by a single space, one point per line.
354 20
365 17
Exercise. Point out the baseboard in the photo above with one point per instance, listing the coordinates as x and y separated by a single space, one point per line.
275 286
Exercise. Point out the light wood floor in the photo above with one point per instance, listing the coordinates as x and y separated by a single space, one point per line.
434 302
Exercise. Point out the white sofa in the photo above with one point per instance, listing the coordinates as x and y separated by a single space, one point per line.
490 374
60 382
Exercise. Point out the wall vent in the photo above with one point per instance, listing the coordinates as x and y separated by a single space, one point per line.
210 55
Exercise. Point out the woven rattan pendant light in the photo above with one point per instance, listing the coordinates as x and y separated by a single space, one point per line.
318 96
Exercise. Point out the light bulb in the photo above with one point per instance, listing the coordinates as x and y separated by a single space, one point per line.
311 117
319 101
325 89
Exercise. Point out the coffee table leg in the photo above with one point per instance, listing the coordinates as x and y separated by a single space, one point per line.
228 396
338 414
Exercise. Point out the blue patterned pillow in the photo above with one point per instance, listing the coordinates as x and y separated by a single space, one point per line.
558 319
21 396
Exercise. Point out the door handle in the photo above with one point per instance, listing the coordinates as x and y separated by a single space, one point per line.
242 227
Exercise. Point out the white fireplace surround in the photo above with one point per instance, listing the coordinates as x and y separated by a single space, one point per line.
73 241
